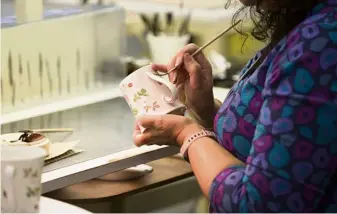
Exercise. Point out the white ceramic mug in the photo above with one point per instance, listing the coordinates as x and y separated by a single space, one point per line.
21 169
164 47
149 94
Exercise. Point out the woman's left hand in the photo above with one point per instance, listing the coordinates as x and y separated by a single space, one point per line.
164 130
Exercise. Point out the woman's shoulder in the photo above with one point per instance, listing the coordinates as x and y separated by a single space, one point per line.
318 31
311 45
305 61
322 22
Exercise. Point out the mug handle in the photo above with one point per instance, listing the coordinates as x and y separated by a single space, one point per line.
9 175
169 85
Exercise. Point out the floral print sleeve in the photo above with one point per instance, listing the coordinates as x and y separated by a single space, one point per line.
282 122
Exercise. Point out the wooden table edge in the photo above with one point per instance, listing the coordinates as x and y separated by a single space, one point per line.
154 184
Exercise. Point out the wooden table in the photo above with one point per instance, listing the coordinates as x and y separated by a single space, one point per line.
165 171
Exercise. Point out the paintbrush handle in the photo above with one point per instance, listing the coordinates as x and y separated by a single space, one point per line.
208 43
169 19
48 130
184 26
146 23
155 28
215 38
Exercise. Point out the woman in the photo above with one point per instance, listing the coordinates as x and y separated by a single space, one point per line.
276 132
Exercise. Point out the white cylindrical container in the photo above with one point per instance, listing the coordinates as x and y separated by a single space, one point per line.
21 169
163 47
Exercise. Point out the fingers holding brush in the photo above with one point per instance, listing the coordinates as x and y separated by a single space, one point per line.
176 69
179 72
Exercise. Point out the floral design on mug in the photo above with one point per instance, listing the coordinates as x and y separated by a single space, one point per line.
4 194
154 106
27 171
130 85
36 207
134 111
33 192
147 108
137 96
35 173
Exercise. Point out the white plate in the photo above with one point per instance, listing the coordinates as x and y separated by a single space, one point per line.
44 143
128 174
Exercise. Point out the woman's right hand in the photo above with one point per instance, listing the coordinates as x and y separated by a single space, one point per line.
194 80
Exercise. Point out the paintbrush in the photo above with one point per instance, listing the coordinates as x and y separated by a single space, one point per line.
155 27
169 19
146 23
184 26
202 47
54 130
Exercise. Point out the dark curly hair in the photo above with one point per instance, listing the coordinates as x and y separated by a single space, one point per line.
272 24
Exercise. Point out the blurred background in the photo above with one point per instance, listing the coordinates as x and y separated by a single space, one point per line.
57 49
62 59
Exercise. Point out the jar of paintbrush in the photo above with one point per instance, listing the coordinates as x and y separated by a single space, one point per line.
166 38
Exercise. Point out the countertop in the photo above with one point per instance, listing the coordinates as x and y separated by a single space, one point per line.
105 133
103 128
166 170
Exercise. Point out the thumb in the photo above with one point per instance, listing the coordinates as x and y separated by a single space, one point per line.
194 70
147 121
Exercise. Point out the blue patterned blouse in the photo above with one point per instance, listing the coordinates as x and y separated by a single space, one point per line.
282 122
